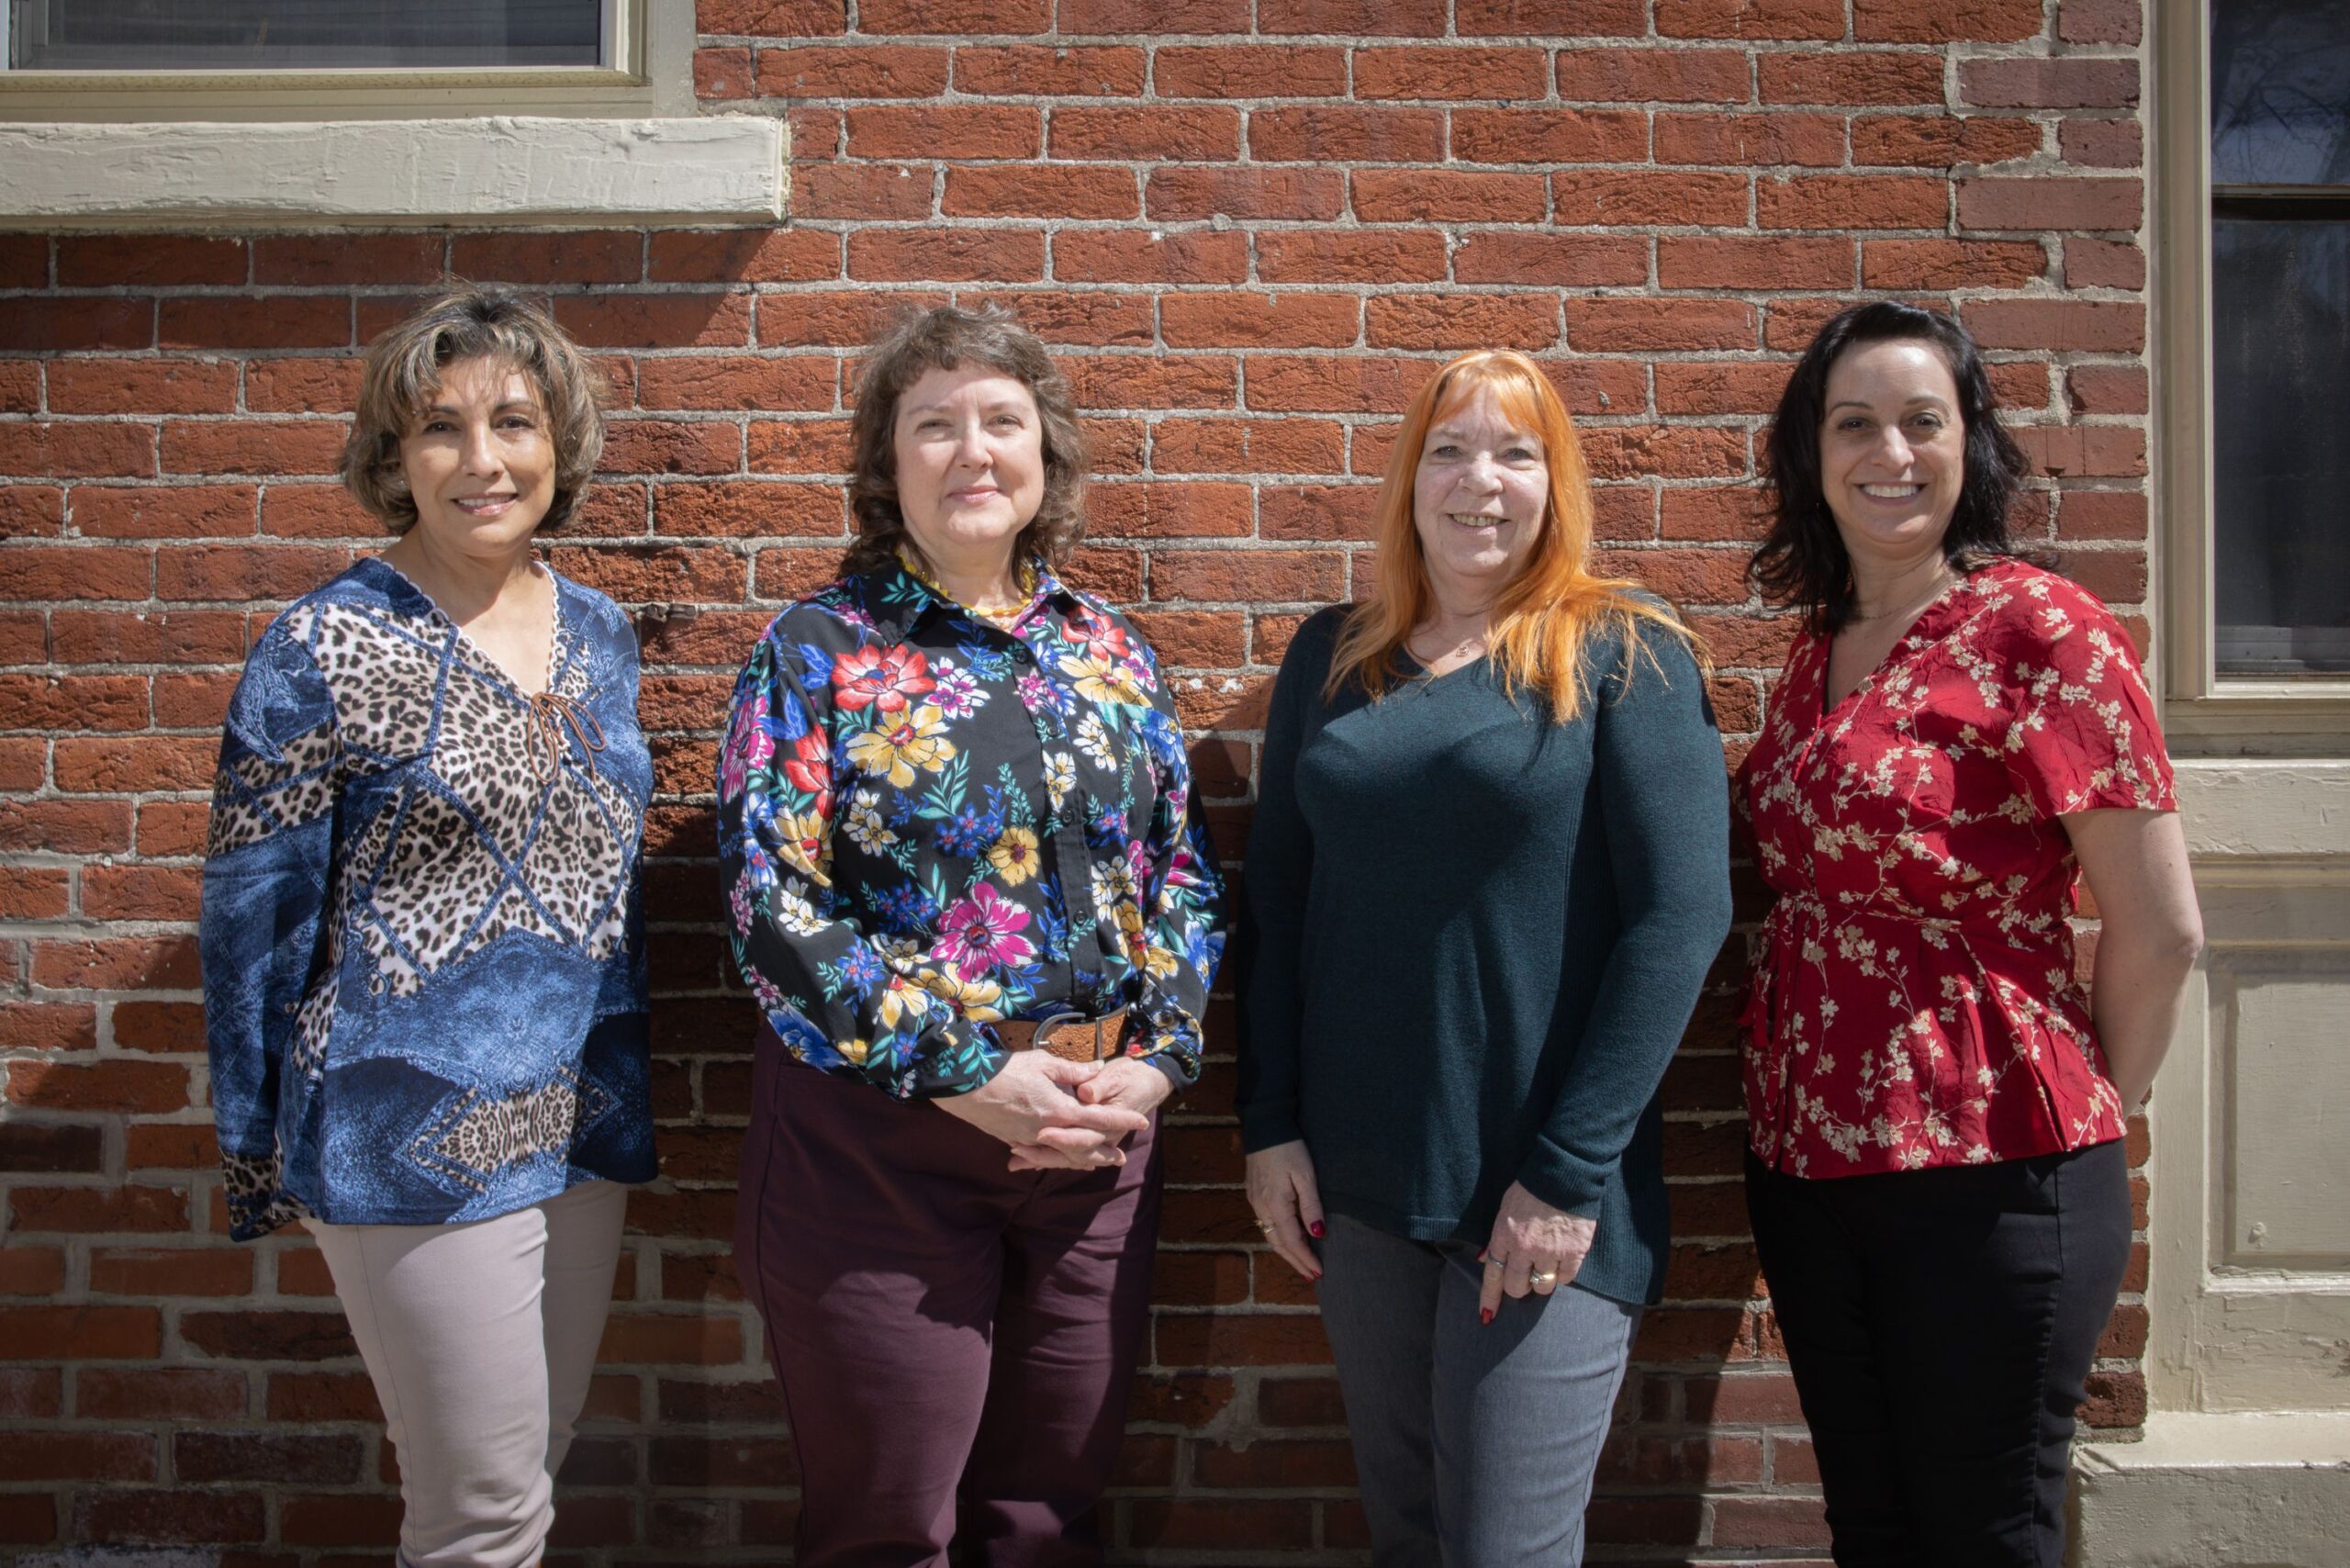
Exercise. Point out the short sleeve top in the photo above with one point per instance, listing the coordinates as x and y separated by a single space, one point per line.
1916 1002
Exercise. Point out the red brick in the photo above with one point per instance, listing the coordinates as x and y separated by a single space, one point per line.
30 1271
1749 140
2084 450
1347 133
1560 260
655 321
163 1393
635 1337
309 261
1240 446
267 321
1127 256
1951 264
309 385
1016 17
170 511
1234 1340
141 762
65 827
2050 204
170 827
729 385
149 261
1654 76
2041 84
797 446
176 1517
140 893
2100 21
57 1026
2092 326
200 1457
2101 143
1621 198
76 1456
1605 326
771 18
1150 383
944 130
748 510
1939 143
1805 77
1351 255
1460 321
1362 386
1250 70
137 963
62 326
254 446
24 260
1054 190
1940 21
848 318
1577 18
1445 195
1080 18
1205 132
244 571
1731 261
1451 72
952 256
2103 264
658 573
672 446
609 256
1260 320
1852 201
1162 510
95 450
2106 389
19 387
1318 512
743 255
125 1087
79 1333
1769 1521
1244 192
1751 18
1086 72
1258 576
142 387
723 73
833 71
73 701
177 1270
1674 452
34 893
316 512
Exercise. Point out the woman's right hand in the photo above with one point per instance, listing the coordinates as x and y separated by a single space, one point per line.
1288 1204
1033 1106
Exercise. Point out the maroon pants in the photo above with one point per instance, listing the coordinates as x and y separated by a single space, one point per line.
955 1343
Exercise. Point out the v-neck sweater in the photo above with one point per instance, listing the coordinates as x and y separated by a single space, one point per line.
1474 937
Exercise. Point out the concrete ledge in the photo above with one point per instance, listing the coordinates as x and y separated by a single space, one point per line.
498 171
2239 1491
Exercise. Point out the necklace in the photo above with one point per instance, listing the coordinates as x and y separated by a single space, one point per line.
998 614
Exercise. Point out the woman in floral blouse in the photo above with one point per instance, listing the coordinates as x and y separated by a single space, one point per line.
422 941
1936 1173
954 823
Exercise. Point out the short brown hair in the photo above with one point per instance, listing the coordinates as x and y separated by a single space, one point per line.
943 338
404 367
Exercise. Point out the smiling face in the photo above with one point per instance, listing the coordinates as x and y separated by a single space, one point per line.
1892 451
478 460
1478 500
970 455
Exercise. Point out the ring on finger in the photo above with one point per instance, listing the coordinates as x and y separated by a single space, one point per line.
1495 1264
1265 1225
1541 1277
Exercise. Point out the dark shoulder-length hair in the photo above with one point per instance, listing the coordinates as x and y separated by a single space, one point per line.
403 370
946 338
1801 560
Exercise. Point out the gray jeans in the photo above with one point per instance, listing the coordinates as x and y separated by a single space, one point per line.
1475 1443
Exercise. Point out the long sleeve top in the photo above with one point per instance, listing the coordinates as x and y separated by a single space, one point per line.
1916 1003
421 939
929 823
1475 935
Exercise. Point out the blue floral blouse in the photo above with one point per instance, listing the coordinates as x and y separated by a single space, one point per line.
929 823
421 935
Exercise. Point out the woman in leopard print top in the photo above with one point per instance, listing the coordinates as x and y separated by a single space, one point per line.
421 937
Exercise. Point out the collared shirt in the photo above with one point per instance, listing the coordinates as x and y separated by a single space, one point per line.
929 823
1916 1003
421 938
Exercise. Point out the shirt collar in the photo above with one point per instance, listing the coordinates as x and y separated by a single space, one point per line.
899 596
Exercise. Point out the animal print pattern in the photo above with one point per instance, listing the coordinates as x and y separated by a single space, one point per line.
479 1135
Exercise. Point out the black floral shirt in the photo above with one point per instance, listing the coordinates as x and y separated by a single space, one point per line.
929 823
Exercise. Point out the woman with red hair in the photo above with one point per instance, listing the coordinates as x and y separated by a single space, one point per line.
1487 876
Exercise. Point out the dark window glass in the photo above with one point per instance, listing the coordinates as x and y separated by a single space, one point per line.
2280 336
261 35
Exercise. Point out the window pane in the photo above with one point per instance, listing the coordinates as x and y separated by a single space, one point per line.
2280 399
2280 93
248 34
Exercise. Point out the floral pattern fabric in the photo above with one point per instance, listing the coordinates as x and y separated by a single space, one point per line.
930 823
1916 1002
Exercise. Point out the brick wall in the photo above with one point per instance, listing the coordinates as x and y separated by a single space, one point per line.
1249 235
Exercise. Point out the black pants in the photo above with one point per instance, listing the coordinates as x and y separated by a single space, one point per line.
1941 1324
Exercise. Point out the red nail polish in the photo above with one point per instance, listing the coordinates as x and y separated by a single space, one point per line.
1484 1315
1316 1228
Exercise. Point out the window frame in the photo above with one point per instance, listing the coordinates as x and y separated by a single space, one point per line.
2305 714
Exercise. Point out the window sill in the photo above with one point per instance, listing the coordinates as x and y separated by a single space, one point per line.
498 170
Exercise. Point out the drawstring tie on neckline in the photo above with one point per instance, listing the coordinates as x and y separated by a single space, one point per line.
549 710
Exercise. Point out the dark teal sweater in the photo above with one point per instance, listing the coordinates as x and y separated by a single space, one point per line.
1473 936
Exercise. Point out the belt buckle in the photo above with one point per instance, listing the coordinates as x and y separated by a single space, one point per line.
1063 1019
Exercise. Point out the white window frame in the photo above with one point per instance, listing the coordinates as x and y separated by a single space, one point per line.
503 146
2290 715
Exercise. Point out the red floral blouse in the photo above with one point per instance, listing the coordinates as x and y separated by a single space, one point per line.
1915 1002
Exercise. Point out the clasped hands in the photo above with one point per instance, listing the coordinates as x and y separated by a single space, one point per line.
1532 1250
1063 1115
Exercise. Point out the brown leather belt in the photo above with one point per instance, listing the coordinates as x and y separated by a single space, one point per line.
1069 1036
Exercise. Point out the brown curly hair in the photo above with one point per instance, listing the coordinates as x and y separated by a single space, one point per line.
945 338
403 370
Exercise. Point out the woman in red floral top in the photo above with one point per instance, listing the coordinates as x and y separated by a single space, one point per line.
1935 1103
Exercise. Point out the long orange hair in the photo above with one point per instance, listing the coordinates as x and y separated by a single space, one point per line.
1546 616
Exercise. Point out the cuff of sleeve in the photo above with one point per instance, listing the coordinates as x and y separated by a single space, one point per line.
1564 1181
1268 1126
1168 1063
956 1058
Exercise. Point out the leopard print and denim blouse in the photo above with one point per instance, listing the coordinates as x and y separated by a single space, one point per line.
422 936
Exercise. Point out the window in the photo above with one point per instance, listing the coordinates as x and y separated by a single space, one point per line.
2281 336
304 34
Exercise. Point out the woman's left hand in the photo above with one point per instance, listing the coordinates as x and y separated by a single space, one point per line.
1127 1082
1535 1248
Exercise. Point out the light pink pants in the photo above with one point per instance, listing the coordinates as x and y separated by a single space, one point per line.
480 1338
